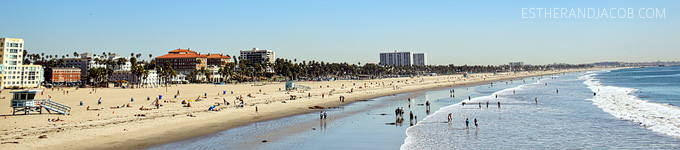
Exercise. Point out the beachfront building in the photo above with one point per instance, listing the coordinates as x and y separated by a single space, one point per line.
419 59
62 75
123 75
85 62
515 65
219 60
402 58
88 61
14 73
183 61
214 73
31 76
258 56
152 80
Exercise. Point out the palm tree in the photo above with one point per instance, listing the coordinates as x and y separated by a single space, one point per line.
167 72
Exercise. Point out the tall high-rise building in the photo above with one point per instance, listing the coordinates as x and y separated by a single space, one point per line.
402 58
515 65
419 59
14 73
258 55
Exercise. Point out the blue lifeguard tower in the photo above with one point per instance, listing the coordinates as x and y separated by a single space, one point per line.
24 101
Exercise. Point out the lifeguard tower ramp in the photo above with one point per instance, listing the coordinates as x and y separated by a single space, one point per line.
24 101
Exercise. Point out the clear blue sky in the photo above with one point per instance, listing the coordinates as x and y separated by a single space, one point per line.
450 32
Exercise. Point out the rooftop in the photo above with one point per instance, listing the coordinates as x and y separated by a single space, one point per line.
172 55
216 56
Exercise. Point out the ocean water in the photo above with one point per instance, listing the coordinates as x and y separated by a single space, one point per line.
647 96
573 118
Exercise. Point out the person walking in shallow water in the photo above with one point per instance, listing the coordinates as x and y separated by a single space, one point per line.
396 112
476 126
450 118
536 99
467 123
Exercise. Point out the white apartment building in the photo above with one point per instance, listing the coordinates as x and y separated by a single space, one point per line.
402 58
419 59
215 75
258 55
14 73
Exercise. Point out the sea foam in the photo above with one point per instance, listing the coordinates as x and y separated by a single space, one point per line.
621 103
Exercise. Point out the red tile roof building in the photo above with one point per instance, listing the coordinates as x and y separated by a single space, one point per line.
184 61
217 59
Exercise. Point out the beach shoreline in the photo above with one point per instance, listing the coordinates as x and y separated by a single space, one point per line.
120 131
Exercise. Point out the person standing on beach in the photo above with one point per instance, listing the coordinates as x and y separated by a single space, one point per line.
321 114
467 123
177 92
487 104
469 98
325 115
256 110
100 101
499 104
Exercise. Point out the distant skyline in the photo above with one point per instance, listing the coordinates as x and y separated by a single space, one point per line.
450 32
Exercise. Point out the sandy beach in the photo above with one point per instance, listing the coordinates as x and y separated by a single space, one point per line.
120 128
